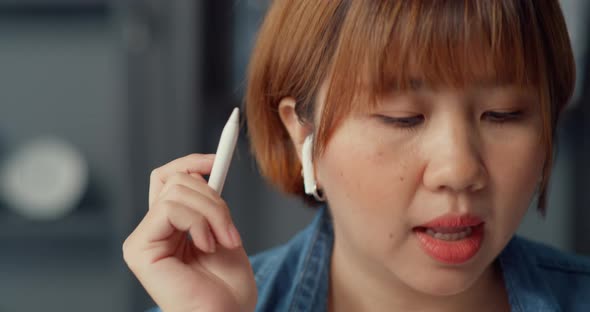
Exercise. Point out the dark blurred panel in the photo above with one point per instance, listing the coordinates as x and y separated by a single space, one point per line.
52 8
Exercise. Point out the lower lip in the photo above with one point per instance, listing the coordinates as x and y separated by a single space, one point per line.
451 252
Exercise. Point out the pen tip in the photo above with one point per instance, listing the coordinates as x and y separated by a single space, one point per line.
235 115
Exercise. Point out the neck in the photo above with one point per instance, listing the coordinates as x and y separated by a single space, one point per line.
354 289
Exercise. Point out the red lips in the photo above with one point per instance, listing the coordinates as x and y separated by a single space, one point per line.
453 221
449 247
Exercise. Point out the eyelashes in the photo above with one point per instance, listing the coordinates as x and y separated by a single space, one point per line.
402 122
413 122
503 117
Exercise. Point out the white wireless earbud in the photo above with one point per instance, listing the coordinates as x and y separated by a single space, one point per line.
309 182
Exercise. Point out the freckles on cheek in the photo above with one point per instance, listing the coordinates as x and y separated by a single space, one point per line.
359 171
343 177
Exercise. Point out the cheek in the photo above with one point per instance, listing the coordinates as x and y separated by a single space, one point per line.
367 181
515 170
360 171
517 155
517 166
343 171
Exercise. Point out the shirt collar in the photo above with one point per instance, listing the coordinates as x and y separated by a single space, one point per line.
311 292
527 290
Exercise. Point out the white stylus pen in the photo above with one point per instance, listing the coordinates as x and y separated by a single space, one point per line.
225 151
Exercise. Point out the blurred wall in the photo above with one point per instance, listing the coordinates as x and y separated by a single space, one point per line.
62 74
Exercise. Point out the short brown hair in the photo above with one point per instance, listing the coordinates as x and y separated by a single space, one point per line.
304 42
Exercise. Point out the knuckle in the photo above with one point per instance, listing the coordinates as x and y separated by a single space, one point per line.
171 191
195 156
174 179
127 253
176 190
170 181
155 174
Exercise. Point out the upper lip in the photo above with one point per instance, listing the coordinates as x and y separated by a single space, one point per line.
453 220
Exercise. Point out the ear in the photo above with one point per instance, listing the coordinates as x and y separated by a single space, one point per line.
297 129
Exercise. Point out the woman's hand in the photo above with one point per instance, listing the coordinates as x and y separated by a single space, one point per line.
209 272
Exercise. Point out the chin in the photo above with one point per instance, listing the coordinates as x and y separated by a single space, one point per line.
438 288
439 282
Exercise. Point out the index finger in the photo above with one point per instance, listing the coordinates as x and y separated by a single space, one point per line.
199 164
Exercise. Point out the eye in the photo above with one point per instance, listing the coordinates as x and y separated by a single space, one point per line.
502 117
402 122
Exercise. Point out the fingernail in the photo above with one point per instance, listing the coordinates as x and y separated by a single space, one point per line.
234 235
211 242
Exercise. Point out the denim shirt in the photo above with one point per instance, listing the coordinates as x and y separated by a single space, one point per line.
295 277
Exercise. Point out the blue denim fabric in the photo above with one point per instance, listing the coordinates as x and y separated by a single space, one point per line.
295 277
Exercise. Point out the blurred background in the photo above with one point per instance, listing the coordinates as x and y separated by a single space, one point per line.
96 93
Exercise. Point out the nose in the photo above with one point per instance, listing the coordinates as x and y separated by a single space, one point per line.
455 164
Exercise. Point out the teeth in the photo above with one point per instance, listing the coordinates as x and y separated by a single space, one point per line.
450 236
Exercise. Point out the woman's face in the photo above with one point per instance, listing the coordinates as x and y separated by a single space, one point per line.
472 156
